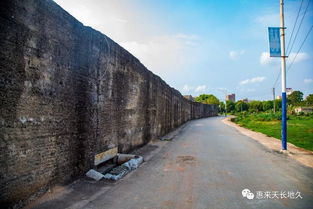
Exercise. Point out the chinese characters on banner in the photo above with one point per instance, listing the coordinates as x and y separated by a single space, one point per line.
274 40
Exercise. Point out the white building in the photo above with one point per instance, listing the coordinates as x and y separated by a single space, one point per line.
289 91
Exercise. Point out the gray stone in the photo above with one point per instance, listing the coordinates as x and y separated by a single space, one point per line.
94 175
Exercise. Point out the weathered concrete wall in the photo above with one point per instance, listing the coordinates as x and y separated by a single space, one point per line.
69 92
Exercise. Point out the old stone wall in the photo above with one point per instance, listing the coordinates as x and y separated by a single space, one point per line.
69 92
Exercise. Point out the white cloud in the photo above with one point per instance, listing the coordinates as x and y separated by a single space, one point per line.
252 80
143 35
247 89
267 20
186 36
191 43
265 58
300 57
234 55
201 88
197 90
164 53
120 20
187 88
112 22
223 89
308 80
160 53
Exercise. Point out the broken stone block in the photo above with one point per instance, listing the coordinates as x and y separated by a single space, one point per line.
94 175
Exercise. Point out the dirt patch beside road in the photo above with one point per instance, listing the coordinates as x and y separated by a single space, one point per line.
303 156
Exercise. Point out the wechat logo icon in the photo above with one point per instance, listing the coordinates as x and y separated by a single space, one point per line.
248 194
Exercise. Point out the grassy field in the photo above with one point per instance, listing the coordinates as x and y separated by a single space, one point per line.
299 128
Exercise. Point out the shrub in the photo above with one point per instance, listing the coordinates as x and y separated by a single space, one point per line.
268 116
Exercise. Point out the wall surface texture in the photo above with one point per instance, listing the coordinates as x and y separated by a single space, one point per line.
69 92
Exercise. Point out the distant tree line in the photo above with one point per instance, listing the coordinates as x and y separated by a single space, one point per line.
293 100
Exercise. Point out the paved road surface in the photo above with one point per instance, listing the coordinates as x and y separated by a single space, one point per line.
207 166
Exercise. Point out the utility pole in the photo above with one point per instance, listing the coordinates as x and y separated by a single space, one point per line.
283 78
274 105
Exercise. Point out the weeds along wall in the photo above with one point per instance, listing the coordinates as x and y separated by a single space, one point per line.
69 92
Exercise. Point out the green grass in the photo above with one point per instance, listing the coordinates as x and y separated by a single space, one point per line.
299 128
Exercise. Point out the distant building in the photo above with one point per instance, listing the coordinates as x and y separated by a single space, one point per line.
304 109
245 100
289 91
231 97
189 97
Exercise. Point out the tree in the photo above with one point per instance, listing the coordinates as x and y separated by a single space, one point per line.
230 106
207 99
267 105
295 97
241 106
255 106
309 99
278 104
222 107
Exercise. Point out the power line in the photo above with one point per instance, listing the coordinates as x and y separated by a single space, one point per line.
306 9
276 79
289 67
294 26
279 73
307 35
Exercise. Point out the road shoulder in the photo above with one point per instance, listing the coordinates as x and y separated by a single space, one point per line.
305 157
81 192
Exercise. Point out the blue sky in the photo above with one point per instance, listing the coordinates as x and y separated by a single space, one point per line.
202 46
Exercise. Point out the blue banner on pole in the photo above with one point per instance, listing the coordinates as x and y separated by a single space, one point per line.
274 39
